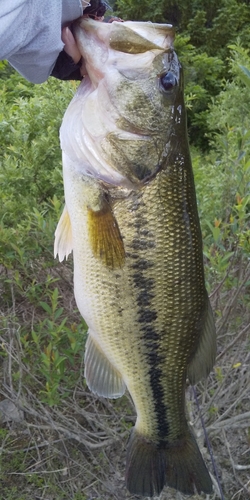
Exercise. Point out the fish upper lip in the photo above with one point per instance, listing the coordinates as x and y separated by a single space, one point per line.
161 35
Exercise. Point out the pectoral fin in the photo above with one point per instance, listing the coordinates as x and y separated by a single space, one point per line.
204 357
101 377
63 245
105 237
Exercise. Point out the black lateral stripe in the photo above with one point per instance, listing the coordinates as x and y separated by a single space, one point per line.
142 264
154 360
150 337
144 282
142 244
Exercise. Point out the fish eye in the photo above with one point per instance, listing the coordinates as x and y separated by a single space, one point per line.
168 81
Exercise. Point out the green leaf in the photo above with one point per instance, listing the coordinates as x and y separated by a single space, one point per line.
35 337
244 75
46 307
58 313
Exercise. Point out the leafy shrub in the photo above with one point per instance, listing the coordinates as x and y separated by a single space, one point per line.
31 192
30 165
223 175
203 80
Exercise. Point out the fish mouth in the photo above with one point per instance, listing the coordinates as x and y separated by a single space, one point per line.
99 42
113 142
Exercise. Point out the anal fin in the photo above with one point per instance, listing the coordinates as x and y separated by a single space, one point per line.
63 245
101 377
204 357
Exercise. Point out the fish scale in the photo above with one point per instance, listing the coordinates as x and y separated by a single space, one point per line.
131 220
163 274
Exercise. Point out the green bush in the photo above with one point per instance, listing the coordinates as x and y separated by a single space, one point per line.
223 175
31 192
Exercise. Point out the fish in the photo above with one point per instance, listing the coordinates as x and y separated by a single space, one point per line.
132 222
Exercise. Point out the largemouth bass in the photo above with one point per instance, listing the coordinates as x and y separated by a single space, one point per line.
131 220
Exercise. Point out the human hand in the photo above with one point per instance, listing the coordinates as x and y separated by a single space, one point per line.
70 46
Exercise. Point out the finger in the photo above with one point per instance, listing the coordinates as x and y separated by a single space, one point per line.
70 46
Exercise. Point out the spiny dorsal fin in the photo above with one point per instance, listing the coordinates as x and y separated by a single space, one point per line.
63 245
101 377
204 357
105 237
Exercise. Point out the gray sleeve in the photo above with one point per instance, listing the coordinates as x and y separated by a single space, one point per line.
30 34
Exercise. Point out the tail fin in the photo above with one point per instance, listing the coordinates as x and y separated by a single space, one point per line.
180 465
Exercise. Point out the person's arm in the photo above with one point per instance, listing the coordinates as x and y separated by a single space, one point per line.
30 34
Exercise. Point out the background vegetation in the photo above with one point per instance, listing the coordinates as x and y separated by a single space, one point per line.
57 440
